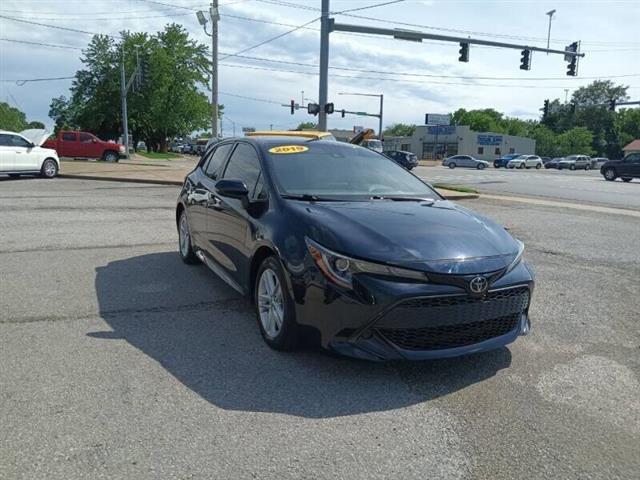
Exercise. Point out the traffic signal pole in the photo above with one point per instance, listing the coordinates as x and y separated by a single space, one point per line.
123 99
328 25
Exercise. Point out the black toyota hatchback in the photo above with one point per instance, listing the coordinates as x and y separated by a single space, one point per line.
340 245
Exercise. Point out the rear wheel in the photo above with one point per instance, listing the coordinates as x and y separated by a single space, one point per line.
452 165
572 167
587 167
610 174
626 179
521 166
49 168
274 307
187 253
538 166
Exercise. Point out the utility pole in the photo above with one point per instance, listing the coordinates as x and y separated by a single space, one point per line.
123 99
370 115
324 65
214 16
550 13
566 93
380 120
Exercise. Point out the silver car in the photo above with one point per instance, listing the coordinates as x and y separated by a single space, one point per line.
525 161
575 162
464 161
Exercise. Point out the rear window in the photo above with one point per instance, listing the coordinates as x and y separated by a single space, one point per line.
337 170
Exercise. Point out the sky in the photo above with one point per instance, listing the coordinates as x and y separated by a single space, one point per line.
415 78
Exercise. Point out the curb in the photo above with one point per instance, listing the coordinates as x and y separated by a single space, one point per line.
120 179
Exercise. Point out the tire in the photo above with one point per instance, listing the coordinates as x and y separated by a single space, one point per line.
521 166
586 168
572 167
49 168
275 312
481 166
185 246
110 156
626 179
452 165
610 174
538 166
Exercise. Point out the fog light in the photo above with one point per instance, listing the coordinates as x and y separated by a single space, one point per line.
525 324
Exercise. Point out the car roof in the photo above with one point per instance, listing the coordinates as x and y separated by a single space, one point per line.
288 133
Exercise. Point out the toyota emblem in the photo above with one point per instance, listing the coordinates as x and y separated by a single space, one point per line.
478 285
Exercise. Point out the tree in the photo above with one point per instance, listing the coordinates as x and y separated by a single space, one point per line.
626 127
11 118
600 92
485 120
574 141
170 103
400 130
306 126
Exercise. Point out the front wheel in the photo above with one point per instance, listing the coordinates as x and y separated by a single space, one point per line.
49 168
481 166
110 156
626 179
610 174
185 247
274 307
452 165
538 166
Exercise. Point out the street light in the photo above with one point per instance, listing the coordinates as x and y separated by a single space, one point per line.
381 104
550 13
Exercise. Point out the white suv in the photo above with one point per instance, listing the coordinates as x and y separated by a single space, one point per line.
21 153
525 161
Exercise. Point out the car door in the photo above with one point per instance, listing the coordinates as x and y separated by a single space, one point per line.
6 152
229 222
68 144
632 165
24 157
201 193
88 145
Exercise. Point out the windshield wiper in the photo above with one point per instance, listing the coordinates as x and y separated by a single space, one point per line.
310 198
403 198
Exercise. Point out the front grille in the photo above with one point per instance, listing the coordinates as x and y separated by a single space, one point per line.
433 323
450 336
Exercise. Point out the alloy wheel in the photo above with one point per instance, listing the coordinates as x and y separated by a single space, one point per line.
184 235
270 303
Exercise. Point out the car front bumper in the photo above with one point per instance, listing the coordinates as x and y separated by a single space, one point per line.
384 319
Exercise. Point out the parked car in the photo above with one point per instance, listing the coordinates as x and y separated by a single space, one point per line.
502 161
597 162
84 145
176 147
525 161
407 159
339 245
464 161
545 160
187 149
553 163
628 168
22 154
141 146
575 162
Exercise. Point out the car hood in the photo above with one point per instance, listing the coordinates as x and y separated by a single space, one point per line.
37 136
438 237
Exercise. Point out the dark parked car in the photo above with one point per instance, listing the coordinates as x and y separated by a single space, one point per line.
502 161
340 245
553 163
628 168
407 159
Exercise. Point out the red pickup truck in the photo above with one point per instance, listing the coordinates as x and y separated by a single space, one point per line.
84 145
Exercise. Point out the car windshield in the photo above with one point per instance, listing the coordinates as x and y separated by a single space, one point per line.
343 171
572 157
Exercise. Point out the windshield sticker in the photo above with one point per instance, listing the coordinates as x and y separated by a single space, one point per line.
284 149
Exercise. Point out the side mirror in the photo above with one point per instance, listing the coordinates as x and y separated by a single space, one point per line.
232 188
93 140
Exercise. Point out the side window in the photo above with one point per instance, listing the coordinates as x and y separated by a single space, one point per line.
480 150
5 140
497 151
244 165
512 150
69 137
18 141
212 167
634 158
85 137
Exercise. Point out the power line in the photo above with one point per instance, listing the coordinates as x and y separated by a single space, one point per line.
391 2
102 19
21 82
13 40
273 102
271 39
75 30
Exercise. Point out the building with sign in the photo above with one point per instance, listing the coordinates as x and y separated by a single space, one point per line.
441 141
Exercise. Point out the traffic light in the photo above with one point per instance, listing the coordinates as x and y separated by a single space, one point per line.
545 109
464 52
612 105
144 71
313 108
525 60
328 108
342 112
572 67
293 106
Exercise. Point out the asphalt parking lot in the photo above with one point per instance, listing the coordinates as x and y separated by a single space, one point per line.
579 186
119 361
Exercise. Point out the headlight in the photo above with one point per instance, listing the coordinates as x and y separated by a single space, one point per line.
122 149
518 258
340 268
